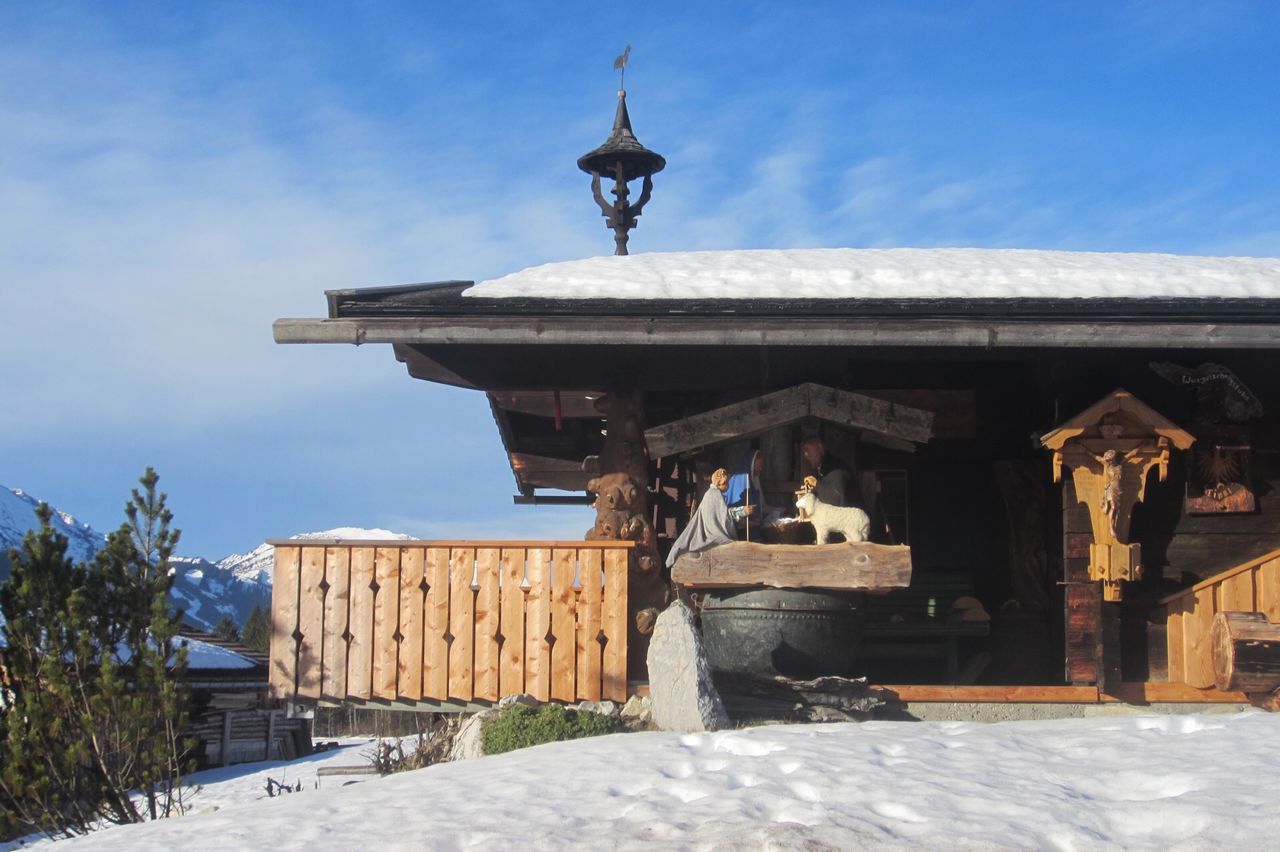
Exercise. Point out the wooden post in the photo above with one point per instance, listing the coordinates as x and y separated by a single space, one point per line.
1082 599
620 481
1108 450
1110 650
224 757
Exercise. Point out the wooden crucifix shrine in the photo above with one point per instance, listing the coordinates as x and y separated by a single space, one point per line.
1110 448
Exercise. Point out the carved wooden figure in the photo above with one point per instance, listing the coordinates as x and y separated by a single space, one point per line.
620 481
1110 448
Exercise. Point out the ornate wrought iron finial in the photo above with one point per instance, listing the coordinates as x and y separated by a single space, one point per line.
622 158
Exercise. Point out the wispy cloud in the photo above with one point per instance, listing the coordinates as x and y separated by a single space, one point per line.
174 180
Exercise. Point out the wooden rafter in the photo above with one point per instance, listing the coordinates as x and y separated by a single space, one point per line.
780 408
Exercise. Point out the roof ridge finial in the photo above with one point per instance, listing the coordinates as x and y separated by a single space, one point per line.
622 158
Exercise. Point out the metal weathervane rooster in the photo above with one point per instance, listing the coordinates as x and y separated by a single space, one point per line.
620 64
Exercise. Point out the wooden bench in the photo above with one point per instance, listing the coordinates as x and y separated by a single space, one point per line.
915 622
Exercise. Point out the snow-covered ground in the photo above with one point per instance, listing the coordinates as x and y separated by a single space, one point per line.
1148 782
958 273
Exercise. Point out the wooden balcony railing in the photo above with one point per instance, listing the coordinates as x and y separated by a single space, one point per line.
449 621
1251 587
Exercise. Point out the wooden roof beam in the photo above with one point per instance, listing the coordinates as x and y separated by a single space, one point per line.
784 407
759 331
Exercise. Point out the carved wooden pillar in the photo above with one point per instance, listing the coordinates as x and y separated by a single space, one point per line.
620 481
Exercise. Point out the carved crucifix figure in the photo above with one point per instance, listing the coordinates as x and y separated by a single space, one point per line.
1112 477
1110 448
1112 503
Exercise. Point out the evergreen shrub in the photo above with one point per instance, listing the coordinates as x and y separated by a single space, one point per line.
94 697
519 726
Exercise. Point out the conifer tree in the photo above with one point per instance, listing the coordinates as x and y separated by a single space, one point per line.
42 786
257 631
226 630
96 686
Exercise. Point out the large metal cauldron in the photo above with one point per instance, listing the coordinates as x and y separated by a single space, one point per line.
795 633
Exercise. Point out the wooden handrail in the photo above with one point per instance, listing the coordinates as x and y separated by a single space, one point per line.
1218 578
1251 587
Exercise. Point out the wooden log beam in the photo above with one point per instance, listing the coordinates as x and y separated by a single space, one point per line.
860 565
989 694
1178 693
1246 652
780 408
734 330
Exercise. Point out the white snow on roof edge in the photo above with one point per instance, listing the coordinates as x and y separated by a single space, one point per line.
906 273
205 655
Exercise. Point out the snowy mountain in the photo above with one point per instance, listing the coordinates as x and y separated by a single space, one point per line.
235 584
255 566
18 514
205 590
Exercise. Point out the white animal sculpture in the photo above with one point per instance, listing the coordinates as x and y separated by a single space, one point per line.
850 521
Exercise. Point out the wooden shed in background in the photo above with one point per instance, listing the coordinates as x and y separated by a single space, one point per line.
232 716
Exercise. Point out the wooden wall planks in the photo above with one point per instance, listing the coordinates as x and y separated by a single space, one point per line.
591 592
360 646
283 676
435 647
311 589
537 652
386 621
450 621
462 620
337 573
613 679
511 621
488 621
412 606
564 642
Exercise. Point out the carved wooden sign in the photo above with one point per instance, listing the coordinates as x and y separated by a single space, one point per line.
1110 448
1218 477
1218 480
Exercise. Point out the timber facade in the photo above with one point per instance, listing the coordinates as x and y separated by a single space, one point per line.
940 406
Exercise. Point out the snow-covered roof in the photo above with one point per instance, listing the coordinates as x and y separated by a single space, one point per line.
203 655
948 273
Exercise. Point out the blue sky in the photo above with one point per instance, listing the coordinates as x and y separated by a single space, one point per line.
176 176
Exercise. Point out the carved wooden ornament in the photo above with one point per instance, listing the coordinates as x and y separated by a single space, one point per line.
1110 448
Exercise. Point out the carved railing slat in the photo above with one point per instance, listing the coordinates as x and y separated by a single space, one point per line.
449 621
409 667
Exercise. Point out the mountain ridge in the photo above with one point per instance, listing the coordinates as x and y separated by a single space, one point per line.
205 590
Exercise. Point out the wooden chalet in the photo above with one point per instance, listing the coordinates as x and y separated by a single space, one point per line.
231 716
1096 464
